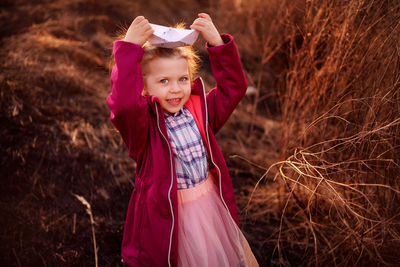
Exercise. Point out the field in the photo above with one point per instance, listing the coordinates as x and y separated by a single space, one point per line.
313 149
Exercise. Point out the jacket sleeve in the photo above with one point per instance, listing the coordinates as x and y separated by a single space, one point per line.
231 82
129 109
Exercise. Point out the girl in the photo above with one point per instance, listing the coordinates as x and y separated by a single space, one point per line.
182 210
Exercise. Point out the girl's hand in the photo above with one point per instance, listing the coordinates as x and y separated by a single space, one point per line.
206 27
139 31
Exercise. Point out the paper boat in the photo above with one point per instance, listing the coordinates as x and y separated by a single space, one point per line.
169 37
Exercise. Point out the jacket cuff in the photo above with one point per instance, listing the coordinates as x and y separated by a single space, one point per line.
227 38
228 48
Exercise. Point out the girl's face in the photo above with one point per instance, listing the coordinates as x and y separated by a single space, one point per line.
168 79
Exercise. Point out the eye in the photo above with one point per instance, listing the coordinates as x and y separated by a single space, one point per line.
164 81
183 79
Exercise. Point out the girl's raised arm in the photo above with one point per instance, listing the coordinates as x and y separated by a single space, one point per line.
129 109
227 70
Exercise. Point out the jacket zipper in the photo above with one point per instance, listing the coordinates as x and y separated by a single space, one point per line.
212 160
170 187
172 172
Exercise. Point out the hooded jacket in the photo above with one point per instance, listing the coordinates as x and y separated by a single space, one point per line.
150 232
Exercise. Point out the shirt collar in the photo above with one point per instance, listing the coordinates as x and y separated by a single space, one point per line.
182 111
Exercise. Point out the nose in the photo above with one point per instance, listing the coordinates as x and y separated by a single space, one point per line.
174 87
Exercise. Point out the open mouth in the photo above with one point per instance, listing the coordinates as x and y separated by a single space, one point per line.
174 101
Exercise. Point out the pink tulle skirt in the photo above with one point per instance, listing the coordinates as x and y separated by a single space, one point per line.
207 234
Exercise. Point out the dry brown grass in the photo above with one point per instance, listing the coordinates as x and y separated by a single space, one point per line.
338 184
322 129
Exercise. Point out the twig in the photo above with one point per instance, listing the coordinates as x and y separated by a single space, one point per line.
89 212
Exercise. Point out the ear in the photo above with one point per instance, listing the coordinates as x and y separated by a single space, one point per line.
144 92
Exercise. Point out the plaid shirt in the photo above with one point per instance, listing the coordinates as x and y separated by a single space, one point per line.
189 152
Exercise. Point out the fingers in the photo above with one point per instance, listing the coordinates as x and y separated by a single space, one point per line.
204 20
138 19
141 21
146 29
204 16
139 31
145 26
206 27
200 24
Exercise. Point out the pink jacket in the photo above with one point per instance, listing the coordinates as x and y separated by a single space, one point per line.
150 233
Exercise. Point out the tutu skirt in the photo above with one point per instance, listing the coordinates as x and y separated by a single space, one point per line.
207 234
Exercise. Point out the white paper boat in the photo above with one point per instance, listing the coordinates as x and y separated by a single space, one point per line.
169 37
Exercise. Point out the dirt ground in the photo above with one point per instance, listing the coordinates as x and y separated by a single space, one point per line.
57 141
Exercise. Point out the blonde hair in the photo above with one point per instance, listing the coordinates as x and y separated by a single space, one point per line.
186 52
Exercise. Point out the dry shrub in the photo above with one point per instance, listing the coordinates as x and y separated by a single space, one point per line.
340 132
338 88
252 131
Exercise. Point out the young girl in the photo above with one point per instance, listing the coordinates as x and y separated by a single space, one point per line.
182 210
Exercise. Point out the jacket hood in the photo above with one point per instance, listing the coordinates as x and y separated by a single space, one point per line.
197 86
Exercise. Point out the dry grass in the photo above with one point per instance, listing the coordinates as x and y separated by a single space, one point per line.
320 133
92 223
338 182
